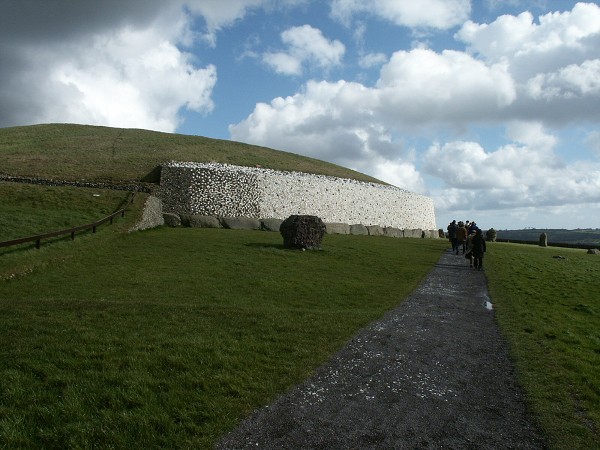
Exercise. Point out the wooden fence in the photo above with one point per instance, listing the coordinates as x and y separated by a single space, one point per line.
90 226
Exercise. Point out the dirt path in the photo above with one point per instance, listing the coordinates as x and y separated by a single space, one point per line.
433 373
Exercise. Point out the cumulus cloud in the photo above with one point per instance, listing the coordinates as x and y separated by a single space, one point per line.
572 81
372 60
525 173
440 14
423 86
111 62
332 121
107 63
305 44
559 39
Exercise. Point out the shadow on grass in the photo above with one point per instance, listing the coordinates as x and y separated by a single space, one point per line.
267 245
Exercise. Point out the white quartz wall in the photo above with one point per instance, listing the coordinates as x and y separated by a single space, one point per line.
225 190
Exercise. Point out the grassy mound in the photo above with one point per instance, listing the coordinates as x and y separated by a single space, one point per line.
93 153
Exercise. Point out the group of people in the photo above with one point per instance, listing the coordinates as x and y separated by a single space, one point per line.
468 237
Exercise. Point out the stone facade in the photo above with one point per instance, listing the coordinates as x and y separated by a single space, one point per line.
234 191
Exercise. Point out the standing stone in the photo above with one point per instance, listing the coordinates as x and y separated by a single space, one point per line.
543 240
302 232
490 235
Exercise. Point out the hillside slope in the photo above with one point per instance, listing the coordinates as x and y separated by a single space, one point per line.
92 153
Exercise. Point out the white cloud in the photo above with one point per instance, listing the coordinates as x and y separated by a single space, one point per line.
334 122
283 63
372 60
559 39
127 78
422 86
112 62
219 14
305 44
511 177
569 82
441 14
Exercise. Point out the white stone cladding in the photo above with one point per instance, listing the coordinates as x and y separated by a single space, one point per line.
236 191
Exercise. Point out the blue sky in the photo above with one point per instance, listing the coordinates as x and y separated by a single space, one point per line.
490 107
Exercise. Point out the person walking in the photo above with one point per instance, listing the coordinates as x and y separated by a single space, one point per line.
478 248
452 234
461 237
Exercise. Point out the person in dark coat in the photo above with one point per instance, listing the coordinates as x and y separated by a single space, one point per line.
478 248
452 228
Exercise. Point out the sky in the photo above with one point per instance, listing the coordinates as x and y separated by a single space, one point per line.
489 107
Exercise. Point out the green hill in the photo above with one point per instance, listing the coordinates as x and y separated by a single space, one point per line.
103 154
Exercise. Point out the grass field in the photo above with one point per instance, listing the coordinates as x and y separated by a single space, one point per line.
549 308
166 338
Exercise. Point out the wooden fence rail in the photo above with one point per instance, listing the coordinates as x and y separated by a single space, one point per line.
90 226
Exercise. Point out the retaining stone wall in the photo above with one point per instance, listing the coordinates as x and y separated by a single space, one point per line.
234 191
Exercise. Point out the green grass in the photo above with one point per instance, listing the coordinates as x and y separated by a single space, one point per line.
92 153
166 338
549 308
28 210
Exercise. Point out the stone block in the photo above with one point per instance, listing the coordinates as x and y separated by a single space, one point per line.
172 220
375 230
240 223
414 233
393 232
196 221
337 228
270 224
359 229
302 232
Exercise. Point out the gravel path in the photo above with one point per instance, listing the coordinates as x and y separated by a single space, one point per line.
432 373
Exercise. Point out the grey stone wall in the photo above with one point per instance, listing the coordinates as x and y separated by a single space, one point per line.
152 215
235 191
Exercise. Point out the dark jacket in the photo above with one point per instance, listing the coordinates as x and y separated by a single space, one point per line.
478 245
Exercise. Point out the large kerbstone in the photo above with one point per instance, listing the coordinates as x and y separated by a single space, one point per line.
196 221
302 232
270 224
337 228
416 233
359 229
375 230
393 232
240 223
172 220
